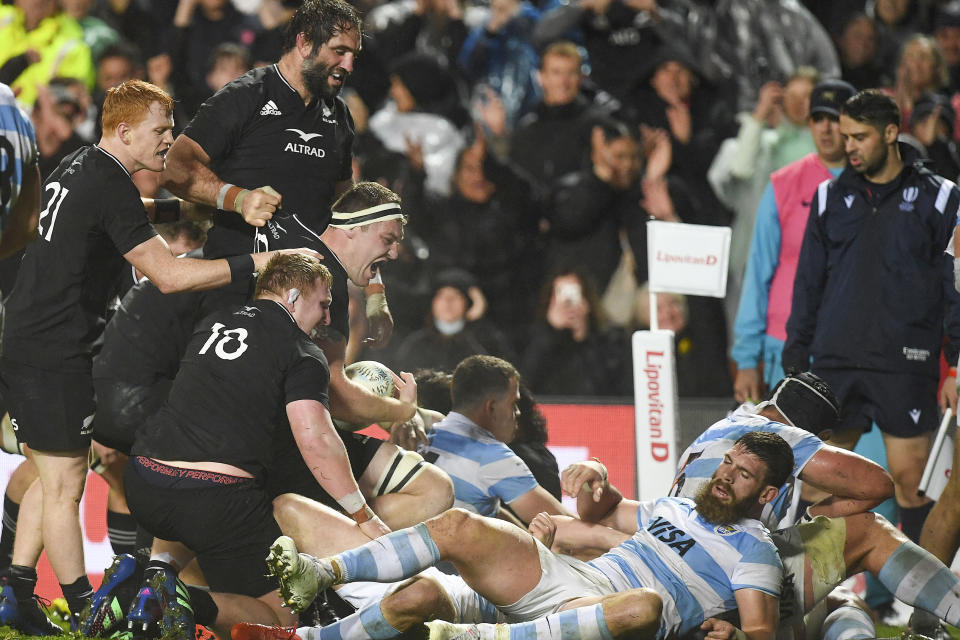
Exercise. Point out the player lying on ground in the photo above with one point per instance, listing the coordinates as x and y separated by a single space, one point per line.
820 554
866 542
697 567
800 406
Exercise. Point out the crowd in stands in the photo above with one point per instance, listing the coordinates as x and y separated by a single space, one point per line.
530 142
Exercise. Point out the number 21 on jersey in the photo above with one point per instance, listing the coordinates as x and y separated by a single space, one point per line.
51 210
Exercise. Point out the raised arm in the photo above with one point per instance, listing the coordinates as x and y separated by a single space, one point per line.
556 22
188 175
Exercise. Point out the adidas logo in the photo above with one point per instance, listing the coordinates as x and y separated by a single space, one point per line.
270 109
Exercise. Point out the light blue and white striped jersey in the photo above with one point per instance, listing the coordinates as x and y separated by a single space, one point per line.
702 458
18 149
484 470
695 566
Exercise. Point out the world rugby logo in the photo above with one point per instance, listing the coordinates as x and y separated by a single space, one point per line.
909 197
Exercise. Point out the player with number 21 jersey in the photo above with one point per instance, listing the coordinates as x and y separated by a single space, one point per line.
90 216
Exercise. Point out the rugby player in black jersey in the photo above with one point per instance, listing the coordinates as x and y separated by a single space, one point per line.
145 339
365 232
278 138
92 219
141 354
199 465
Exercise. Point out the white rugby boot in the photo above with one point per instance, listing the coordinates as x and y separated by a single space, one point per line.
301 576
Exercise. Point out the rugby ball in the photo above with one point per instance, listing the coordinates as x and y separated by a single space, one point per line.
375 377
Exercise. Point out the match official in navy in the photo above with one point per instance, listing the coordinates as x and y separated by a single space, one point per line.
874 291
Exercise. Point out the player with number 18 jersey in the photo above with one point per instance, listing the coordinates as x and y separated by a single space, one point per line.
269 363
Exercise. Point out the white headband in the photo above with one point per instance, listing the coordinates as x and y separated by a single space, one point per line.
366 216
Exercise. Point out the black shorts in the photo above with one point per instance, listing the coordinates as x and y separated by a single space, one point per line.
50 410
123 407
291 475
903 405
227 521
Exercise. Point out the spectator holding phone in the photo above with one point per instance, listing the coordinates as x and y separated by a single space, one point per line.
569 351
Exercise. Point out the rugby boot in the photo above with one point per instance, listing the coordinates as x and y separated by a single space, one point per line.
249 631
8 606
442 630
924 626
340 607
144 612
104 614
326 609
175 611
27 617
202 633
59 613
301 576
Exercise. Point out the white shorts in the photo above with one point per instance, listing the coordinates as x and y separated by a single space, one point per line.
563 579
469 606
811 550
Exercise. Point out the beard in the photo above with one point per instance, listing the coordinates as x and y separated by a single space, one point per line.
716 511
876 166
316 77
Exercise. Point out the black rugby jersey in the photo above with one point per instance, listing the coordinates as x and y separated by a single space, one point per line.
148 333
91 216
241 368
286 231
257 132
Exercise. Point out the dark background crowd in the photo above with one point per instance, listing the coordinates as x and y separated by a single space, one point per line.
530 143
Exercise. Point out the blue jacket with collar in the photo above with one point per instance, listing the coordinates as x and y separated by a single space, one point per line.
873 284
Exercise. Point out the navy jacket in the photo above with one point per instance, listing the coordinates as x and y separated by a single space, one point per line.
873 283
